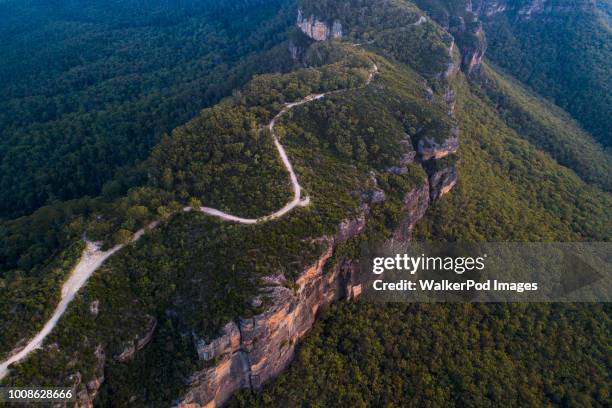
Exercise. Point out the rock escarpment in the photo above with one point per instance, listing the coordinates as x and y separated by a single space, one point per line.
251 351
470 37
486 7
138 343
472 49
464 20
86 396
441 179
319 30
430 149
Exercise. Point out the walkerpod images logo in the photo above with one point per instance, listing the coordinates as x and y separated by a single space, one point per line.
485 272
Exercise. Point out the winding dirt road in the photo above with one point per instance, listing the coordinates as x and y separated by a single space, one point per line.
93 257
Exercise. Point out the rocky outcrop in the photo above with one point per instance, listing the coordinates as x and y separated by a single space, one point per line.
317 29
464 20
94 307
253 350
138 343
295 51
250 351
430 149
441 181
416 203
230 373
86 395
471 40
473 54
486 8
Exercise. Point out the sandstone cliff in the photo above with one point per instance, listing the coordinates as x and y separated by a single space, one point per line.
467 27
251 351
317 29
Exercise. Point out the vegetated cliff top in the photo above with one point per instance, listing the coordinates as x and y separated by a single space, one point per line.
196 274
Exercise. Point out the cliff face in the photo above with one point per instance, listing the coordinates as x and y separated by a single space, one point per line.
416 204
138 343
471 36
319 30
251 351
87 394
430 149
441 181
486 7
85 397
464 20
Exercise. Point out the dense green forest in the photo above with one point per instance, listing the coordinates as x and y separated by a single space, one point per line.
512 191
561 49
548 127
448 355
230 163
565 56
89 87
390 26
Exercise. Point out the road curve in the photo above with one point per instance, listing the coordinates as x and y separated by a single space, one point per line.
93 257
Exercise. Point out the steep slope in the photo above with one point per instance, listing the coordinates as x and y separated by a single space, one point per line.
509 190
418 355
413 355
122 99
562 49
547 127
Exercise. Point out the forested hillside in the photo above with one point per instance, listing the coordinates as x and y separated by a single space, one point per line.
561 49
89 87
510 189
565 54
416 355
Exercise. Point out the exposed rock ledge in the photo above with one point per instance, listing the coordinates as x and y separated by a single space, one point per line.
138 343
86 394
251 351
318 30
527 8
430 149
